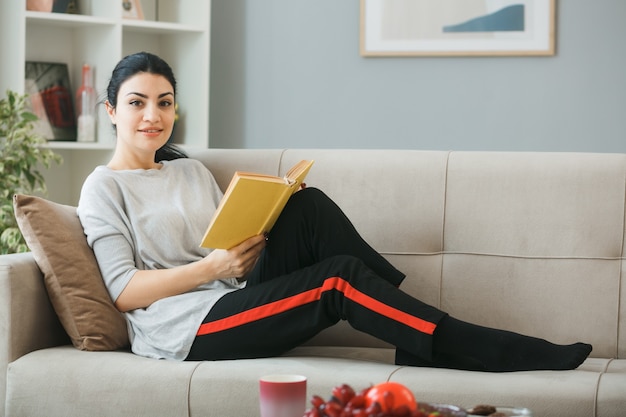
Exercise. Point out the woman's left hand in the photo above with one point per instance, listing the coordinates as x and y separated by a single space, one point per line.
238 261
148 286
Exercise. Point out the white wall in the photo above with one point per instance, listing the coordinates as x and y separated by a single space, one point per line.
287 73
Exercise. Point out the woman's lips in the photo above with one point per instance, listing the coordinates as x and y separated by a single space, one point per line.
151 132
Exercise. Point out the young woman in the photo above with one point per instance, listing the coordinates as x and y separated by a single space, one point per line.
144 214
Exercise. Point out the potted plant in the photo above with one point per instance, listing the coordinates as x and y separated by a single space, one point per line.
23 153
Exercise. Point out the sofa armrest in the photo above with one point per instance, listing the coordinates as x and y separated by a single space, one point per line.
27 320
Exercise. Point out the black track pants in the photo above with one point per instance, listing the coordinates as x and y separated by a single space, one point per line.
315 271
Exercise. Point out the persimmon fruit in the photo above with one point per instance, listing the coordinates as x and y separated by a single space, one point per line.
391 396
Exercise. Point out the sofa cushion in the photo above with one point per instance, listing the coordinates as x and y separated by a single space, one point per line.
55 236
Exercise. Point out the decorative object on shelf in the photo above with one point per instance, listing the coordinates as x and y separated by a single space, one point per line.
65 6
131 9
55 6
48 85
86 107
22 154
457 28
39 5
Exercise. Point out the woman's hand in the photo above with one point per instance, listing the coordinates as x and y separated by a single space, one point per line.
238 261
148 286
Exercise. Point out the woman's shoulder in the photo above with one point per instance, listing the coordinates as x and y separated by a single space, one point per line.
100 176
187 165
184 162
99 185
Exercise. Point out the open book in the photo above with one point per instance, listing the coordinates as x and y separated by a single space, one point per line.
251 205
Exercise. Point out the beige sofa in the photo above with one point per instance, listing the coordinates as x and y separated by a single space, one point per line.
531 242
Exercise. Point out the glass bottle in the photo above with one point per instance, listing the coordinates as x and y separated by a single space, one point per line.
86 107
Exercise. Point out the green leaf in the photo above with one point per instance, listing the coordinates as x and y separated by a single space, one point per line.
29 117
23 152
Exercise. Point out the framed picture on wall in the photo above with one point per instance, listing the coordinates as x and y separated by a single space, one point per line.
131 9
48 87
457 27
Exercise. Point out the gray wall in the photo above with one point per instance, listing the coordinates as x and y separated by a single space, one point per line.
287 73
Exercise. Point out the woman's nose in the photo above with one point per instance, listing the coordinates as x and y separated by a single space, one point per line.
151 113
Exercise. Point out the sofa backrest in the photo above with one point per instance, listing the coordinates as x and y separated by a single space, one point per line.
530 242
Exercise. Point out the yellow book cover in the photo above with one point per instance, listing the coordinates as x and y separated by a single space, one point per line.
251 205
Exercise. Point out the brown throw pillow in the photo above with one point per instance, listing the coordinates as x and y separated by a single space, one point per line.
55 236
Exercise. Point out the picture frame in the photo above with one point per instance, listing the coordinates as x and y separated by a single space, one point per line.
131 9
51 100
457 28
53 6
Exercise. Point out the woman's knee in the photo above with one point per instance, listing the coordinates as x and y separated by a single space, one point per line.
309 194
346 266
315 202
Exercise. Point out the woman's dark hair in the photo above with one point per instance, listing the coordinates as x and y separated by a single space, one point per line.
152 64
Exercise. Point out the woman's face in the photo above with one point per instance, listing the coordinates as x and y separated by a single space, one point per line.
144 115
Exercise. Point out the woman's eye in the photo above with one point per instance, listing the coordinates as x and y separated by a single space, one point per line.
166 103
135 103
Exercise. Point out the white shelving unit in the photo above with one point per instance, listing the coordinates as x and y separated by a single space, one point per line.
176 30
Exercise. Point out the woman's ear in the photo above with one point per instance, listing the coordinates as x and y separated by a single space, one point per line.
110 111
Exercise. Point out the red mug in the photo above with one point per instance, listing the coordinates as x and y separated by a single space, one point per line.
282 395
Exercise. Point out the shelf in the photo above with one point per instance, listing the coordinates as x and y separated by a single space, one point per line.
148 26
78 20
95 146
66 20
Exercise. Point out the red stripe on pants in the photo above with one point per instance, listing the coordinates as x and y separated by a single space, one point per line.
332 283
